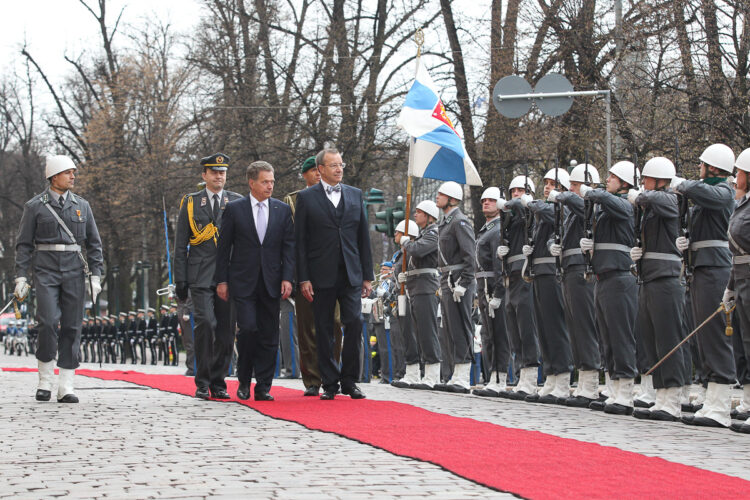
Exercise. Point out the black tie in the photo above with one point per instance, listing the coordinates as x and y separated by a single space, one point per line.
216 208
62 202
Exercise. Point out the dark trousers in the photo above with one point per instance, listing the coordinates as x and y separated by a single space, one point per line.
554 339
457 321
257 337
616 301
741 324
324 306
521 324
578 297
424 324
495 342
184 309
214 338
308 352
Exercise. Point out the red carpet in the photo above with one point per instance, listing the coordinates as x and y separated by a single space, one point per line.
543 466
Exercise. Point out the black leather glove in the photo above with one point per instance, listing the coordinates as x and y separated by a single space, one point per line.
181 290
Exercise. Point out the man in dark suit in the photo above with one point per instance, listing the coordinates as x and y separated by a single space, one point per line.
198 227
255 265
334 262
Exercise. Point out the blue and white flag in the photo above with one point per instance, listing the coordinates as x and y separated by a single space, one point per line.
436 150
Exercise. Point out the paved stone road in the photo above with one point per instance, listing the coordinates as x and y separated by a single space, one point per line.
133 442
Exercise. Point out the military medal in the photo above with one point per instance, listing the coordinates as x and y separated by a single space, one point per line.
78 213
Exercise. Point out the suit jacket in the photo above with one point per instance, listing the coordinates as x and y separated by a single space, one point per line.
241 258
196 267
323 239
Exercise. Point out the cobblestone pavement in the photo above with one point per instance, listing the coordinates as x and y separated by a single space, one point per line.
128 441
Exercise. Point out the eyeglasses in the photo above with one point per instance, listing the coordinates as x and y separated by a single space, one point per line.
336 165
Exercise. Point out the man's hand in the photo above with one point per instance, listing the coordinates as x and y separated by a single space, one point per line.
502 251
636 253
633 194
307 290
555 249
286 289
22 289
675 183
526 199
181 290
402 277
403 239
94 286
495 303
553 195
366 288
728 299
222 290
682 243
527 250
584 189
587 245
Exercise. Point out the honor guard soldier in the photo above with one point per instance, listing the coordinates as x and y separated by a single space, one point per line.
616 290
152 334
122 335
708 258
554 338
140 331
578 286
519 304
661 298
422 284
198 227
133 335
56 228
738 288
456 247
490 294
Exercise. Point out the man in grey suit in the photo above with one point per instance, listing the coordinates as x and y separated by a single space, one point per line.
56 228
197 235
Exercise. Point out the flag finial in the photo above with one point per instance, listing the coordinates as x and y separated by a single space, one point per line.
419 39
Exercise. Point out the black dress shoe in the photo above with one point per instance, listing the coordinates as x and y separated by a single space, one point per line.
353 392
202 393
518 395
42 395
312 390
487 393
739 415
243 392
440 387
740 427
263 396
400 384
690 407
642 413
458 389
532 398
420 386
618 409
328 395
189 373
662 416
547 399
700 421
642 404
578 402
220 394
68 398
597 405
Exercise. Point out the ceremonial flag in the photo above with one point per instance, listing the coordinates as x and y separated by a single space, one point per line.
436 150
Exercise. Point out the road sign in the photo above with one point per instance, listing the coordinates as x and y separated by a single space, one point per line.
553 83
511 85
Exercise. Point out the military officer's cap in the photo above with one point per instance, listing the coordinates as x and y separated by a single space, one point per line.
123 314
141 310
151 309
112 316
219 161
308 164
131 313
164 307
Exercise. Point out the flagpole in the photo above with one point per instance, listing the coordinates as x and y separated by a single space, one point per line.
419 39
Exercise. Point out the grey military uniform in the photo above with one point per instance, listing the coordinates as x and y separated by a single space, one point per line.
456 246
58 271
616 289
739 235
519 303
489 276
712 262
554 338
401 333
661 298
422 284
578 294
195 265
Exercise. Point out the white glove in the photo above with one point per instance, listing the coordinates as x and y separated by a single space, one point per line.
682 243
584 189
555 250
587 245
22 289
401 277
527 250
633 194
380 291
458 292
676 181
501 204
494 304
728 299
526 199
553 195
403 240
636 253
502 251
95 282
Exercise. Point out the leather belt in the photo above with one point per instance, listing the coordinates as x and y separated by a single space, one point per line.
485 274
452 267
544 260
741 259
611 246
424 270
572 251
661 256
697 245
57 247
516 258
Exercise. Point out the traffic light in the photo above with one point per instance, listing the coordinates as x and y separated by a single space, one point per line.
399 212
388 227
373 197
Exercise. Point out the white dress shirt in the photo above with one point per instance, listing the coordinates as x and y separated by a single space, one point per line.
211 197
334 196
255 204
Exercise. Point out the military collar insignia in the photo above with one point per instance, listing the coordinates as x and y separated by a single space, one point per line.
204 200
226 199
45 198
489 226
448 219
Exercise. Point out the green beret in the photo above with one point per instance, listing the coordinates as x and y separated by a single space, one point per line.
308 164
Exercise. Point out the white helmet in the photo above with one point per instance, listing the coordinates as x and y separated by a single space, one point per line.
413 228
56 164
720 156
429 207
579 174
452 189
659 167
743 161
626 170
519 181
562 177
491 193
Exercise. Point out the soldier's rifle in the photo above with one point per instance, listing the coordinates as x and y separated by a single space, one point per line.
635 268
588 221
558 226
528 273
503 239
686 222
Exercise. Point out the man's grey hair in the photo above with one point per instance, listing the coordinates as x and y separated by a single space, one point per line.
255 168
320 157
